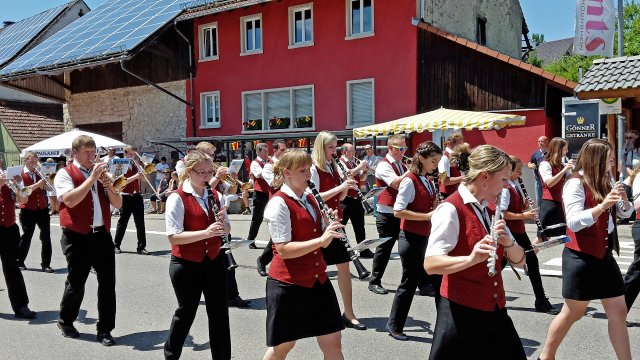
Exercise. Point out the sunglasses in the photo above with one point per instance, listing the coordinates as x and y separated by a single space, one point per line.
399 148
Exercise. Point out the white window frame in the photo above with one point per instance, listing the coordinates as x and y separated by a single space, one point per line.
265 120
373 101
203 110
292 26
243 32
352 36
201 29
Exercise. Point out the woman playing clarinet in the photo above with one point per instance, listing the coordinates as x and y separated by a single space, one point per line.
325 177
553 172
195 226
472 318
414 205
301 301
589 270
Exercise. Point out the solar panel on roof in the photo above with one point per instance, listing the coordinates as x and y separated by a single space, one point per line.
113 28
16 36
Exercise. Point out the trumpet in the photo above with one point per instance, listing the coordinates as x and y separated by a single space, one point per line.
24 192
231 181
116 183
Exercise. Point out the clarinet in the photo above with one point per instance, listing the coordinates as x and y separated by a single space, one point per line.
365 205
362 272
493 255
530 203
436 183
225 239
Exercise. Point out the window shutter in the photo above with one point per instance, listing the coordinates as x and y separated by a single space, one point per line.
278 104
361 103
303 102
253 106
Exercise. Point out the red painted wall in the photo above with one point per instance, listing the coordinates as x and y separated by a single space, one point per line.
389 57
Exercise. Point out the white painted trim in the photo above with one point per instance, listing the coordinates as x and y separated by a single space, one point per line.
243 25
349 35
203 112
292 11
291 104
349 124
201 29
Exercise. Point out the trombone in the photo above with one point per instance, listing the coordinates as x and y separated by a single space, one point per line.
48 180
146 169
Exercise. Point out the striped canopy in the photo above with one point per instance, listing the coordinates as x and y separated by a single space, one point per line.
441 119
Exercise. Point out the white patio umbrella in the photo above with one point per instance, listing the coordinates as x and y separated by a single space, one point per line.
60 145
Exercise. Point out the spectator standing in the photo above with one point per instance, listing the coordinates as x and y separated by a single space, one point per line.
536 158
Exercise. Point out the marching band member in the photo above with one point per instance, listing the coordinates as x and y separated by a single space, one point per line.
553 174
352 207
53 201
471 312
10 238
35 212
261 191
453 175
301 301
515 211
632 277
279 147
414 205
195 233
389 173
84 195
589 270
325 177
132 204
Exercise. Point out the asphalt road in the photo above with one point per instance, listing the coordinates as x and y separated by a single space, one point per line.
146 302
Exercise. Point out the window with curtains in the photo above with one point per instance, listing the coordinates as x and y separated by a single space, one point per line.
208 41
359 18
278 109
301 25
251 34
210 109
360 102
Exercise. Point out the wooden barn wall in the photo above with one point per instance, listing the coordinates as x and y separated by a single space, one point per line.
453 76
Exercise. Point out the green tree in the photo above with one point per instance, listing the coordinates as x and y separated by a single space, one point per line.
568 66
537 39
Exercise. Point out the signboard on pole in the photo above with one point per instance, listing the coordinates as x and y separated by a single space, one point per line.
580 122
610 106
595 28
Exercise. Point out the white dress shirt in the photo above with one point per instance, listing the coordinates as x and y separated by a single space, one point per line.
63 184
315 176
546 173
256 169
407 192
578 217
174 215
351 163
505 198
636 190
278 215
444 166
267 171
180 167
385 172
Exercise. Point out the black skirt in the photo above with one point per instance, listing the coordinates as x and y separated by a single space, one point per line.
295 312
335 253
585 277
552 213
465 333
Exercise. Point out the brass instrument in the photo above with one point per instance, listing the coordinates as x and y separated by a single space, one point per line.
48 180
146 169
24 192
116 184
231 181
407 161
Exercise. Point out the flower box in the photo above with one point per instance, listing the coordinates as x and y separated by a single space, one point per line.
304 122
279 123
253 124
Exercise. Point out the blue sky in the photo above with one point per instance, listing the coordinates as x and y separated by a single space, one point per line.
553 18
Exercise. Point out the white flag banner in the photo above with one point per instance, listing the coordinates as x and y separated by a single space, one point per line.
595 27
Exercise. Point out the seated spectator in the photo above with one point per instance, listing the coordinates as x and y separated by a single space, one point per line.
168 185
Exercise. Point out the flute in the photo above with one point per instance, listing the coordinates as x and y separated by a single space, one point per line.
363 273
493 255
367 208
225 239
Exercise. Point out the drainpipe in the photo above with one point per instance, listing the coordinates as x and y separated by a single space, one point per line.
193 109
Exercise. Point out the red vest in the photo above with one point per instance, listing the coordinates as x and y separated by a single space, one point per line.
454 171
472 287
37 200
260 184
196 219
516 206
306 269
348 165
388 196
134 186
592 240
7 207
327 182
75 218
555 192
422 203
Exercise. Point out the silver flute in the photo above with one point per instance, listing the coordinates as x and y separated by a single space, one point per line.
493 255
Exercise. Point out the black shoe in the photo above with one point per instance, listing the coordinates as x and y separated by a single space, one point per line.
48 269
348 324
262 270
26 313
253 245
366 254
544 306
427 291
238 302
395 335
117 250
143 251
377 289
105 339
21 266
68 331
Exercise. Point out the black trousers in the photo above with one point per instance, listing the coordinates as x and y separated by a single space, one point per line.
83 252
28 220
352 210
388 226
9 239
131 204
260 201
267 254
190 280
533 266
411 247
632 278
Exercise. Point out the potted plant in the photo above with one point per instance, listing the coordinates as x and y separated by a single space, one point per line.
255 124
304 122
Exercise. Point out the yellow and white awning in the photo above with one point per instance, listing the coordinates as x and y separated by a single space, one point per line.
441 119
